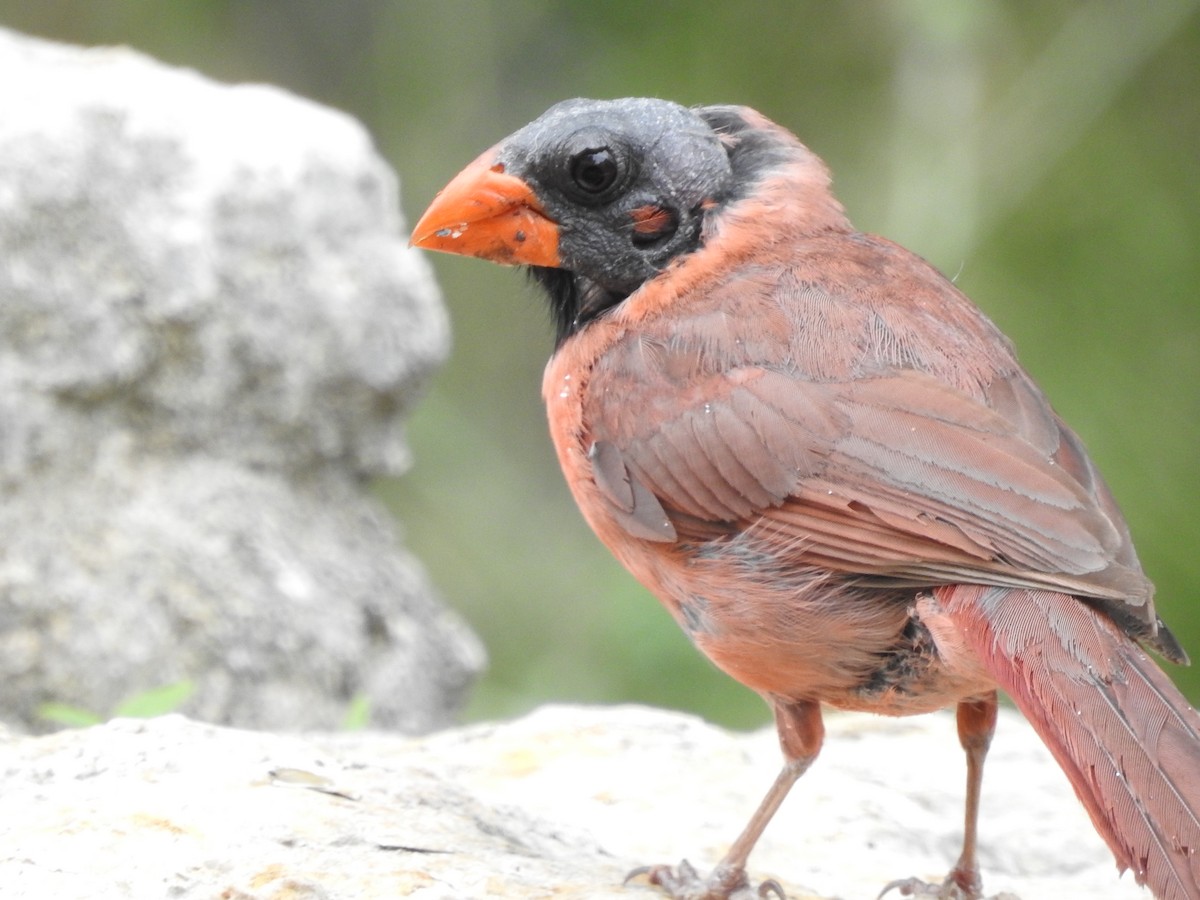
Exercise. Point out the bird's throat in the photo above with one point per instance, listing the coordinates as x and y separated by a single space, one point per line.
574 299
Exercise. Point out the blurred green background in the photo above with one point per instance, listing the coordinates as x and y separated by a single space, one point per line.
1046 154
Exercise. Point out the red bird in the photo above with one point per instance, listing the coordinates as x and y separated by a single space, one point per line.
829 466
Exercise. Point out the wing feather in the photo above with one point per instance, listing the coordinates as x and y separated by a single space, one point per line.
898 478
866 418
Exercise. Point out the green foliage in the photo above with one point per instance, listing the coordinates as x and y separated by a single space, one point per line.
358 714
169 698
158 701
148 704
67 715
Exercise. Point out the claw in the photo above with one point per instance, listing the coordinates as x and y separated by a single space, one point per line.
636 873
905 886
771 886
670 878
950 889
683 882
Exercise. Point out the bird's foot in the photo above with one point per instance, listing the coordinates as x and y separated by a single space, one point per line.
683 882
957 886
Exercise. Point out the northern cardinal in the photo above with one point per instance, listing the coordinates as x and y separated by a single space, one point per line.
829 466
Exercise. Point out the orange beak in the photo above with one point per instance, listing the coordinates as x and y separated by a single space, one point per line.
484 212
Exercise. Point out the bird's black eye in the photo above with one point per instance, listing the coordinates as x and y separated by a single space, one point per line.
594 170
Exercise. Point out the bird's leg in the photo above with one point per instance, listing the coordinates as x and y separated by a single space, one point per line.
801 733
976 725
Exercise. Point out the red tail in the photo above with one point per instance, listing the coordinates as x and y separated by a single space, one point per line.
1127 739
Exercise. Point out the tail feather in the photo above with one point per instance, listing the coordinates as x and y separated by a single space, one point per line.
1126 738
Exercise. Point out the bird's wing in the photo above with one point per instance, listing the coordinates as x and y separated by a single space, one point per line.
897 477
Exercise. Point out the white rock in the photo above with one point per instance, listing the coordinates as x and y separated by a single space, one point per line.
562 804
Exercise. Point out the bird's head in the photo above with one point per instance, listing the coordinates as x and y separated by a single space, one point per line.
599 196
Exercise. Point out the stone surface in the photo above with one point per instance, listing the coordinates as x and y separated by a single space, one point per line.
559 804
211 332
